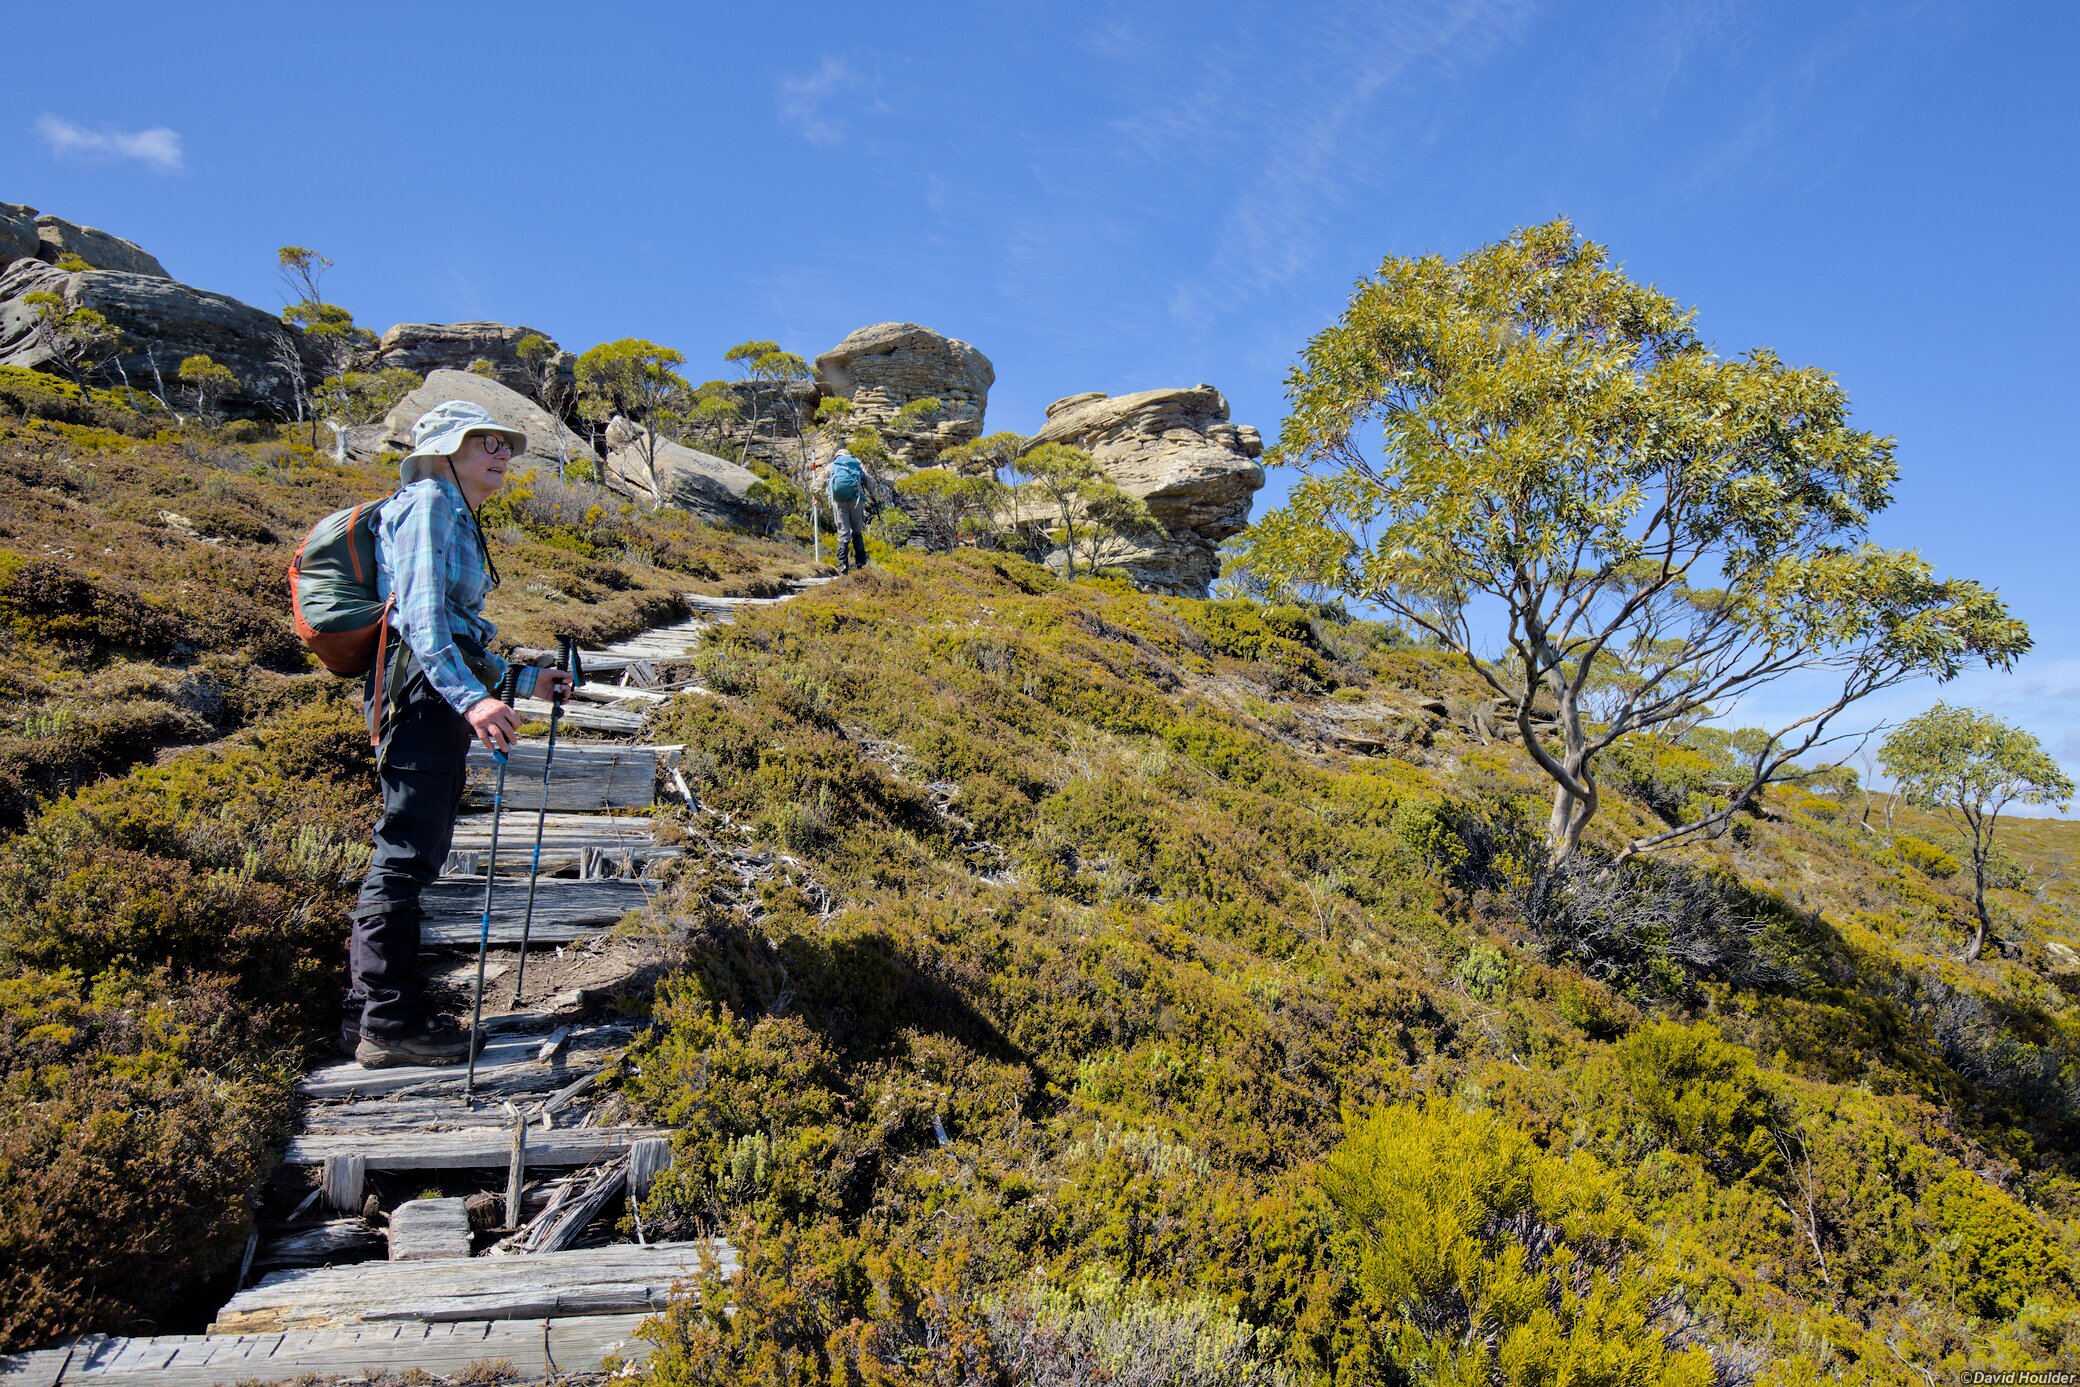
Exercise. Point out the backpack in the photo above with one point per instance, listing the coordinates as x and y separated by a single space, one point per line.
845 477
332 590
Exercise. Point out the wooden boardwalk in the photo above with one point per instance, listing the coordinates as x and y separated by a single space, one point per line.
507 1260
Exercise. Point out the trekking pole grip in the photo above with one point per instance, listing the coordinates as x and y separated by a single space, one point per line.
568 661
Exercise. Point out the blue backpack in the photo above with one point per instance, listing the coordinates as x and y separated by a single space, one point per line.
846 476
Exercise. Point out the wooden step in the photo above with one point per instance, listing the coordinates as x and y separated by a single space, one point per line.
586 717
425 1229
564 910
471 1147
568 840
507 1065
621 1279
535 1347
586 778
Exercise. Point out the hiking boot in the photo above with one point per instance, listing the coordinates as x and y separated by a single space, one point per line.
440 1041
350 1034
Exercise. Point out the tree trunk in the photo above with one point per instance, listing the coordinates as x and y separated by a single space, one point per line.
1978 944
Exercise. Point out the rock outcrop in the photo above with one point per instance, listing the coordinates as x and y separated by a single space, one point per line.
424 348
886 366
163 322
98 248
1178 451
18 238
544 434
715 489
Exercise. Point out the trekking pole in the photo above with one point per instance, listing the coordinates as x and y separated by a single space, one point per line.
567 661
507 689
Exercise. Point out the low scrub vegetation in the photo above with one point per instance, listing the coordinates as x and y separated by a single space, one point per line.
1159 990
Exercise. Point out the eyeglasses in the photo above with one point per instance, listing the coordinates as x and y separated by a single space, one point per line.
495 443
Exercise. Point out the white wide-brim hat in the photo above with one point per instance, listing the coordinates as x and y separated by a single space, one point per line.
440 432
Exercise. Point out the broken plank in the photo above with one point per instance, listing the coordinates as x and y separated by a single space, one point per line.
586 777
563 910
425 1229
472 1147
454 1288
535 1347
336 1240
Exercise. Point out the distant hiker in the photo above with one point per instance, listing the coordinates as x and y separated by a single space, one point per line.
430 698
847 484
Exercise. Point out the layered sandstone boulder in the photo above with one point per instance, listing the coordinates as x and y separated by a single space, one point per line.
423 348
162 322
889 365
1180 453
715 489
58 238
18 238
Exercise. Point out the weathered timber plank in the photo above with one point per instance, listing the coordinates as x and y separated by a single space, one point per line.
506 1064
423 1229
535 1347
563 910
587 777
587 717
468 1148
565 840
502 1288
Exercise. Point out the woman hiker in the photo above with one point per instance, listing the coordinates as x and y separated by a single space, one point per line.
436 688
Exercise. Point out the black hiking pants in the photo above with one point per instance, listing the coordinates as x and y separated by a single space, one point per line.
422 777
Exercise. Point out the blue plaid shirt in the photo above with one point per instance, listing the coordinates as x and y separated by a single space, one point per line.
426 554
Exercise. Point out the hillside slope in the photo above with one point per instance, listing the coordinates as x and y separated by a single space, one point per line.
1168 980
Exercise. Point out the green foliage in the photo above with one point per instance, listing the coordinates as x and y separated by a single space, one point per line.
79 341
35 395
1925 858
1559 443
635 379
951 508
1698 1093
207 383
1489 1260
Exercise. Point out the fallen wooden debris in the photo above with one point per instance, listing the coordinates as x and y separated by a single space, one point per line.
594 1280
577 1204
345 1173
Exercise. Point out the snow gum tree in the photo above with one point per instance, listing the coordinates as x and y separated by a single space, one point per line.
1970 766
1540 464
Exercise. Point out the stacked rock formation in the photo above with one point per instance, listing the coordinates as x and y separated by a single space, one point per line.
25 235
1178 451
423 348
163 322
889 365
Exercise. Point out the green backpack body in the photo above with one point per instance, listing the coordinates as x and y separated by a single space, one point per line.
332 590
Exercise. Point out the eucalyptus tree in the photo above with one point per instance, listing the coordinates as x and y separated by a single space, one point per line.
1970 766
634 378
1523 452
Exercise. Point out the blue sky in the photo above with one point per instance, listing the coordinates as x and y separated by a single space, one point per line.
1118 197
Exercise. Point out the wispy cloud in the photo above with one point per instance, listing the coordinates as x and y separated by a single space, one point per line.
158 149
805 102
